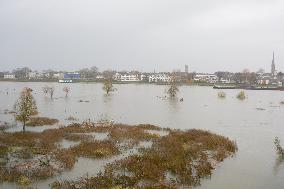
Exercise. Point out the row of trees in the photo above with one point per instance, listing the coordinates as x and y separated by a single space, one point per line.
49 90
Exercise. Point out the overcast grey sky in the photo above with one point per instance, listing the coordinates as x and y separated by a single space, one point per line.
208 35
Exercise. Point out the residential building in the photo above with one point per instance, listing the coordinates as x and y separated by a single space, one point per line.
59 75
72 75
9 76
208 78
129 77
35 75
161 77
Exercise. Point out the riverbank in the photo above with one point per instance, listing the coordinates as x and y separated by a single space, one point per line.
96 81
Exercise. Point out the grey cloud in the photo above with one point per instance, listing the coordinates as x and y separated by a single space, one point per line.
145 35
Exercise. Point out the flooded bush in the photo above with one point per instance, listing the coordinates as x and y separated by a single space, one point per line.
279 149
221 94
241 95
40 121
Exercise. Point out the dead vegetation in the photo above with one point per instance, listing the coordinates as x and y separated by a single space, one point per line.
40 121
186 155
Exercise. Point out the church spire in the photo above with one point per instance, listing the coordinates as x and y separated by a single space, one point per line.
273 65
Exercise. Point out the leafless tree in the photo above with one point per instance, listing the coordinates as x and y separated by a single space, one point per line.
66 90
48 90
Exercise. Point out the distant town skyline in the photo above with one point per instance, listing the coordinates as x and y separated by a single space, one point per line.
185 69
147 35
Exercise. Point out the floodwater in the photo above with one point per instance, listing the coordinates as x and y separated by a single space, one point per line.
252 123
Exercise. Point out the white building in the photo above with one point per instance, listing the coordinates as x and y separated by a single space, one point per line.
155 78
9 76
225 81
99 77
127 77
209 78
117 77
58 75
35 75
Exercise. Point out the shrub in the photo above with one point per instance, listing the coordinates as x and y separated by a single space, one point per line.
23 180
241 95
221 94
279 149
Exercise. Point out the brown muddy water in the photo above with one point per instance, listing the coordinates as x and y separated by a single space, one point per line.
253 123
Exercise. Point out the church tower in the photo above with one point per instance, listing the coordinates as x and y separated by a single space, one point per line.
273 66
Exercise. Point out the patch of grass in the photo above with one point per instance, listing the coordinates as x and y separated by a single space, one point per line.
40 121
221 94
189 155
67 157
95 149
241 95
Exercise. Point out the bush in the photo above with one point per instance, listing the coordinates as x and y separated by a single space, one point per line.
221 94
241 95
23 180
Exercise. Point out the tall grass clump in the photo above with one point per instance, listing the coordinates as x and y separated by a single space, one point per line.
221 94
241 95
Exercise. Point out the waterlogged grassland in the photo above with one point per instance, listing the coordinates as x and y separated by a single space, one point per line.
172 159
181 158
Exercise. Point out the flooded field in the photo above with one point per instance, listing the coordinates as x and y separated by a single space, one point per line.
253 123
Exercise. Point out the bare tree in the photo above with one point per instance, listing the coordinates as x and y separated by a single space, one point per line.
51 92
48 90
25 106
45 89
66 90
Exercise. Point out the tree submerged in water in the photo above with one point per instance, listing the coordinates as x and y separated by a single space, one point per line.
66 90
48 90
25 106
108 87
173 88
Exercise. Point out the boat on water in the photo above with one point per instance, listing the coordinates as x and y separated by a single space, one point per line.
265 88
249 87
224 87
65 81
